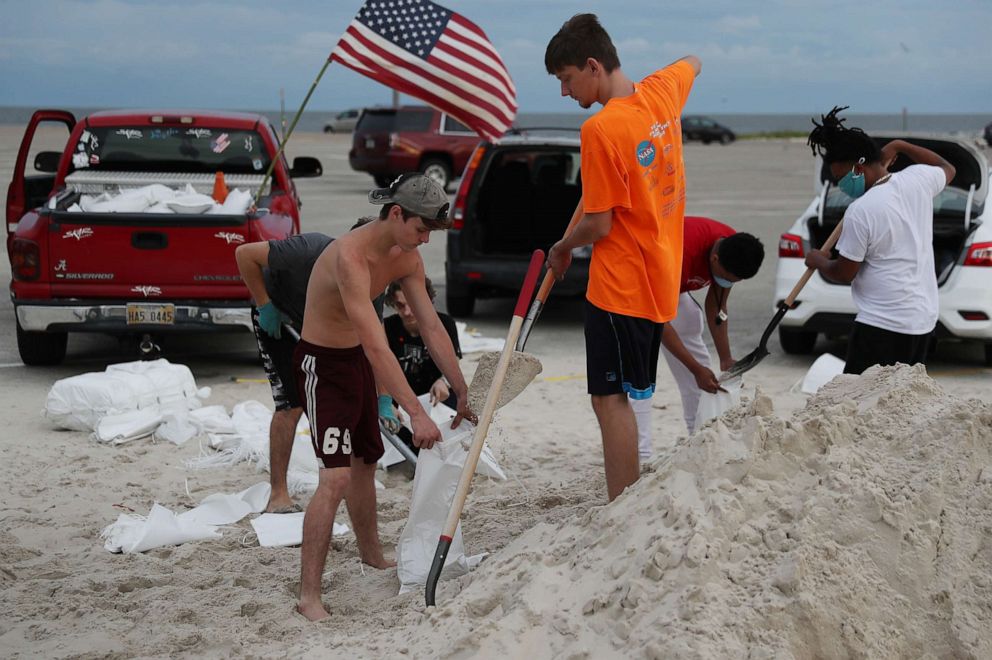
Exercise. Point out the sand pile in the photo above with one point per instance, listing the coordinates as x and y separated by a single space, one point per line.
860 527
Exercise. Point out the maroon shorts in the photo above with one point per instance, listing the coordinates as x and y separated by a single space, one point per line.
338 391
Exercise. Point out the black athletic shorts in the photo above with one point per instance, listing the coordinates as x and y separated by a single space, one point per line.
621 353
277 360
869 346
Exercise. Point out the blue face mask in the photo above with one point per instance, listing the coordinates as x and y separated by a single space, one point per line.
851 184
720 282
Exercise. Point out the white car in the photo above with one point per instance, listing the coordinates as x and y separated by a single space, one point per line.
342 122
962 242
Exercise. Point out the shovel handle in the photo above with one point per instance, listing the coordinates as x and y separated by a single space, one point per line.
826 247
479 437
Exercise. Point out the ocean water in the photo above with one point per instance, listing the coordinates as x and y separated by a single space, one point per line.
742 124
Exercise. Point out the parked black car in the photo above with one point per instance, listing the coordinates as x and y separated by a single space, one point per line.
515 197
704 129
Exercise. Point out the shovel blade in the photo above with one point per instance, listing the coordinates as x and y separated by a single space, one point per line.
746 363
523 368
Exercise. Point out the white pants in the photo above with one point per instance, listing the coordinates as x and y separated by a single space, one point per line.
689 324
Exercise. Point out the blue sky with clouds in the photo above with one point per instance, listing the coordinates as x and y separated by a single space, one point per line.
776 56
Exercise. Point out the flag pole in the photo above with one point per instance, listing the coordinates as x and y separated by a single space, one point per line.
292 125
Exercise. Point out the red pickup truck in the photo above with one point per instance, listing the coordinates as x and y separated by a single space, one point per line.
112 234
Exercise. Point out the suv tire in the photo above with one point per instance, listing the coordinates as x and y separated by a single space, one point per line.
725 139
460 306
796 342
41 349
438 170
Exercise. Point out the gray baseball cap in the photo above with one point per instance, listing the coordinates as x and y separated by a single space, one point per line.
416 193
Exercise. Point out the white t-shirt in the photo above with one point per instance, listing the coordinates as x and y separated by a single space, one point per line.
890 231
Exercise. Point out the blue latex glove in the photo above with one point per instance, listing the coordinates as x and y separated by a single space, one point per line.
387 413
270 320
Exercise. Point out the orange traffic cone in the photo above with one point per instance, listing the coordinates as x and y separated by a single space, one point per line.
220 188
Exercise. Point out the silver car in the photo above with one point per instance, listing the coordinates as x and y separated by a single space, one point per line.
343 122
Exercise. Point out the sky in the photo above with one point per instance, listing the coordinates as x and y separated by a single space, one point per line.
774 56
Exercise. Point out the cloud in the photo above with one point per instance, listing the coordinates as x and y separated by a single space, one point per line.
738 24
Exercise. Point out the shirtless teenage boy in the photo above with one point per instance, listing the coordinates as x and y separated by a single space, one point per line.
343 352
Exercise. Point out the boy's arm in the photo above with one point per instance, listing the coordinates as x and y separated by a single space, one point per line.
841 269
917 154
591 228
705 378
693 61
354 282
437 340
720 333
251 259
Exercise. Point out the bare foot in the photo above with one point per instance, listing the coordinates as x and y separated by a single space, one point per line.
313 612
378 562
282 505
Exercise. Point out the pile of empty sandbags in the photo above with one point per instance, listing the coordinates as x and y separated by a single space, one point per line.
128 401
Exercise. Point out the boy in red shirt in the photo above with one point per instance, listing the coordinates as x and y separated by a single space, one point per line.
633 191
713 253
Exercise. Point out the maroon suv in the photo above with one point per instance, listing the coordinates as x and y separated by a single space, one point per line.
390 141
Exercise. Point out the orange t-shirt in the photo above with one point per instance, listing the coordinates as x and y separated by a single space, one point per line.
632 164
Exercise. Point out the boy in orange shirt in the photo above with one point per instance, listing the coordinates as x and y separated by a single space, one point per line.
633 192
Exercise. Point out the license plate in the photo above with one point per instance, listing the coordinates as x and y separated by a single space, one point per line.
370 143
145 314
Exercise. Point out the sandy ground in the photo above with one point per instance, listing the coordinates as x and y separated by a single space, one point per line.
64 595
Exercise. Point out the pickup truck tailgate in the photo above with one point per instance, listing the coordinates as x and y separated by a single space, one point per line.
172 256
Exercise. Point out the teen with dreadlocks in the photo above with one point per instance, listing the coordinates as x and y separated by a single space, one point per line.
886 243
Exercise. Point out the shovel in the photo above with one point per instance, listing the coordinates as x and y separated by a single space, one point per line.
524 366
479 438
751 360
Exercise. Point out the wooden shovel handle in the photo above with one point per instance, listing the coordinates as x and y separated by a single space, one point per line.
826 247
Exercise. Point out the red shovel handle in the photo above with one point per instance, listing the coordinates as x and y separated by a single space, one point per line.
530 281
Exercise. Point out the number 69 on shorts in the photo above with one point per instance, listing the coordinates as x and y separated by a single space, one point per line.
333 440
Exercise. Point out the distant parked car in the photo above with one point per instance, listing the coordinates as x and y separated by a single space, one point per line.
343 122
514 197
390 141
706 130
988 134
962 247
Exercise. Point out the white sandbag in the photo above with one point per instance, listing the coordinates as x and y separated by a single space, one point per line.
236 203
176 428
821 372
285 529
434 485
123 427
442 415
173 382
251 418
223 509
132 533
142 387
212 419
714 405
77 403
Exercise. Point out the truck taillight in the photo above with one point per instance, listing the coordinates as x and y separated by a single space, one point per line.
790 245
979 254
25 260
461 197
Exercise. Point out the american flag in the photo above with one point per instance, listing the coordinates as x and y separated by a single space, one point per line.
429 52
